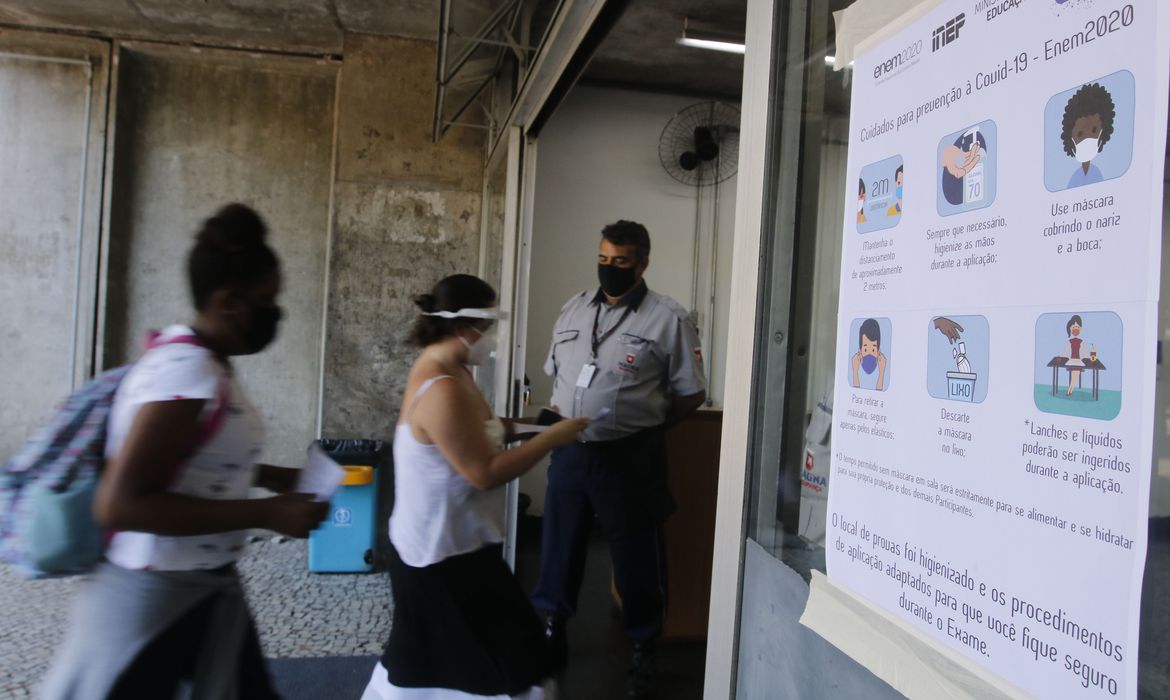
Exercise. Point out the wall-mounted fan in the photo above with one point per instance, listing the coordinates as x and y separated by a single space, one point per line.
700 145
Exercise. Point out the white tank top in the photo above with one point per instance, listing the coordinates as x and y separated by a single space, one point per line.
437 513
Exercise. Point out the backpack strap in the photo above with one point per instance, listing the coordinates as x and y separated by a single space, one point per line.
219 416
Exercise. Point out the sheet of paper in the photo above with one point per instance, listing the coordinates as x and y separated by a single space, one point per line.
321 475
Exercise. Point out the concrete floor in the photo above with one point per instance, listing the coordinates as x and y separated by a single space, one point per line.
299 615
326 631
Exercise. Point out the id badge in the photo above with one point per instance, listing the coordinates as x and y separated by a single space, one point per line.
586 377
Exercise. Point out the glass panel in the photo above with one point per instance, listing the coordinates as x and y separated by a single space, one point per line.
795 377
492 250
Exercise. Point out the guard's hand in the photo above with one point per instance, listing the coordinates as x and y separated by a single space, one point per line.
565 432
294 514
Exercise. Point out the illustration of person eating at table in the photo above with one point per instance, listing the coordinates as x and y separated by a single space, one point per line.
1094 378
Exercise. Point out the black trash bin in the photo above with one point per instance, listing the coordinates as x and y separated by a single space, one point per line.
375 454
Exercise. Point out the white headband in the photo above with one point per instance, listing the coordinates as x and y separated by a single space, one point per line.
492 314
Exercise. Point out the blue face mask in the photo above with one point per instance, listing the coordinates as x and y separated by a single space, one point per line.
869 364
899 191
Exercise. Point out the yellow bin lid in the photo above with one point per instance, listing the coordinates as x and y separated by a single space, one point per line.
357 476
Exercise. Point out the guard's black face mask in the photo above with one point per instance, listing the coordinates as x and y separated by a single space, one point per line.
616 281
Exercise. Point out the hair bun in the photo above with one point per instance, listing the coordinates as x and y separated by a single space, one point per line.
233 229
425 302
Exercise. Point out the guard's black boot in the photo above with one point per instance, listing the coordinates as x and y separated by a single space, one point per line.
643 675
558 642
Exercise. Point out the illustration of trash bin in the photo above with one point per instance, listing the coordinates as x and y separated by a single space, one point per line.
961 386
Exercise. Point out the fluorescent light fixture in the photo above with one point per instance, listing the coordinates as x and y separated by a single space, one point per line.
710 44
715 41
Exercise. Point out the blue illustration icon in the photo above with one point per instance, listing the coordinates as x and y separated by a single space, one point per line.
879 195
1078 364
869 363
958 358
1088 132
967 169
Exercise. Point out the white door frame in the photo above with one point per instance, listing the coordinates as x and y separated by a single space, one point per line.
512 317
734 466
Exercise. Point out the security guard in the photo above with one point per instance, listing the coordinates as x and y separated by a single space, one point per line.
630 359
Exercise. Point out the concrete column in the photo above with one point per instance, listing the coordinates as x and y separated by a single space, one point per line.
406 214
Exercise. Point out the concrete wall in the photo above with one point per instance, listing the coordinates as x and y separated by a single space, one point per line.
195 130
50 134
407 213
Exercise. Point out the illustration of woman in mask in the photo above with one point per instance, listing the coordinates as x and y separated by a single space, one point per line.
861 201
1087 127
1075 353
869 357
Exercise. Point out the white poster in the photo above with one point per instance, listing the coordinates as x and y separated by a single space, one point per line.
994 409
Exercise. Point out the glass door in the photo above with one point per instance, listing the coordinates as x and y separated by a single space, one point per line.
793 379
499 243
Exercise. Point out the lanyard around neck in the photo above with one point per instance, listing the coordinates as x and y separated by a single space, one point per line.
596 321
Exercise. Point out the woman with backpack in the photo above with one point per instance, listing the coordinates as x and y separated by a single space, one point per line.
167 607
463 627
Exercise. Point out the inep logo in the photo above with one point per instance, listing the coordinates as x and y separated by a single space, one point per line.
948 33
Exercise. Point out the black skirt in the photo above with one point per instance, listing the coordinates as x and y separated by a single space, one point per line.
464 624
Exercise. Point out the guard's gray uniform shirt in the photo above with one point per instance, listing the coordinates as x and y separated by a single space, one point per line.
652 357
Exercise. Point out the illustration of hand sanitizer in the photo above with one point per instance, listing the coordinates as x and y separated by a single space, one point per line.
973 180
961 361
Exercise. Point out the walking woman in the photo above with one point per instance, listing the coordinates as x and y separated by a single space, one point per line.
167 610
463 627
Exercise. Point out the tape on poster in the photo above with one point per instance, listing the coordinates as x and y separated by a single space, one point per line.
866 21
911 662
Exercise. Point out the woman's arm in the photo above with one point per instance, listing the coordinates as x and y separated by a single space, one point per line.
132 494
277 479
448 417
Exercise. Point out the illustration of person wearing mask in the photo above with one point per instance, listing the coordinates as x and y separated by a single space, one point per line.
869 357
1088 124
958 161
896 208
861 201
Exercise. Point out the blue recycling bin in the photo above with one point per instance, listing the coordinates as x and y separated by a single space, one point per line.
345 541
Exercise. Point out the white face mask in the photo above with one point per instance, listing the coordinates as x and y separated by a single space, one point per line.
1087 150
482 349
860 205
